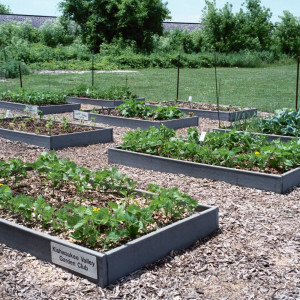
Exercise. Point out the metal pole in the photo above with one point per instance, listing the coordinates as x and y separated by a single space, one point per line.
217 92
93 68
20 72
49 81
178 67
297 83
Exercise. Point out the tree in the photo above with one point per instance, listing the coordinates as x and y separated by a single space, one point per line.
127 20
57 33
227 32
4 9
220 27
288 33
256 26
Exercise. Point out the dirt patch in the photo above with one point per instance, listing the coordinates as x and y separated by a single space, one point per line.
200 106
41 126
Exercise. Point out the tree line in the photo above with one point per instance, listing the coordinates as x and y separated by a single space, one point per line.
129 33
135 21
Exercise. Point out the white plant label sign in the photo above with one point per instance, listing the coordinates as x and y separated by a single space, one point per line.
31 109
202 136
81 115
74 260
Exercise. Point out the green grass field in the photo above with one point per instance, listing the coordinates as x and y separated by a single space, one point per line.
264 88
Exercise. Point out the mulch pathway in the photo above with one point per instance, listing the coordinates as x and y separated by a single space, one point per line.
254 254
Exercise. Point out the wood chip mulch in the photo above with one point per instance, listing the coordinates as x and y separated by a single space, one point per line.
254 255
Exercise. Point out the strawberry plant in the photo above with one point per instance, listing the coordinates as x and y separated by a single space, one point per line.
224 149
15 169
106 225
34 97
132 108
112 93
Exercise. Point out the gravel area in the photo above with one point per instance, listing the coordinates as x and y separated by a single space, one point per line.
254 255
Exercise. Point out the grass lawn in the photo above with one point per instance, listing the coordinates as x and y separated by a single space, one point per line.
264 88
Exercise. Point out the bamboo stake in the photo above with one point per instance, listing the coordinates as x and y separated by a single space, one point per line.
178 67
297 83
217 89
20 73
93 68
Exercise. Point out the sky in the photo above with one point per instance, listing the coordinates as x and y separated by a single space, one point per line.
181 10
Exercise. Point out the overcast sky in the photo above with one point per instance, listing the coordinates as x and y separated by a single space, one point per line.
181 10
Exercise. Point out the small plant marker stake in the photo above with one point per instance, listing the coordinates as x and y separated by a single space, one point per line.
190 101
20 72
178 67
217 90
297 83
93 68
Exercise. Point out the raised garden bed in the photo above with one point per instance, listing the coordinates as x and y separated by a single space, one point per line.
210 111
42 109
275 183
73 135
87 115
99 102
105 268
283 125
102 267
234 158
111 97
36 102
269 137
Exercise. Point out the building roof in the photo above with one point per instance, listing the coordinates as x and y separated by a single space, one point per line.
184 26
38 21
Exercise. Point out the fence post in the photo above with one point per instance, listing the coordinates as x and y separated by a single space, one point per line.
20 73
93 68
217 90
178 67
297 83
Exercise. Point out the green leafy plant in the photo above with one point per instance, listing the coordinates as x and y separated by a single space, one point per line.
15 169
171 201
66 125
132 108
224 149
49 125
109 225
284 122
10 68
34 97
112 93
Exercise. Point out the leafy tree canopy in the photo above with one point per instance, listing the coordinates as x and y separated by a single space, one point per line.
288 34
249 29
108 20
4 9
